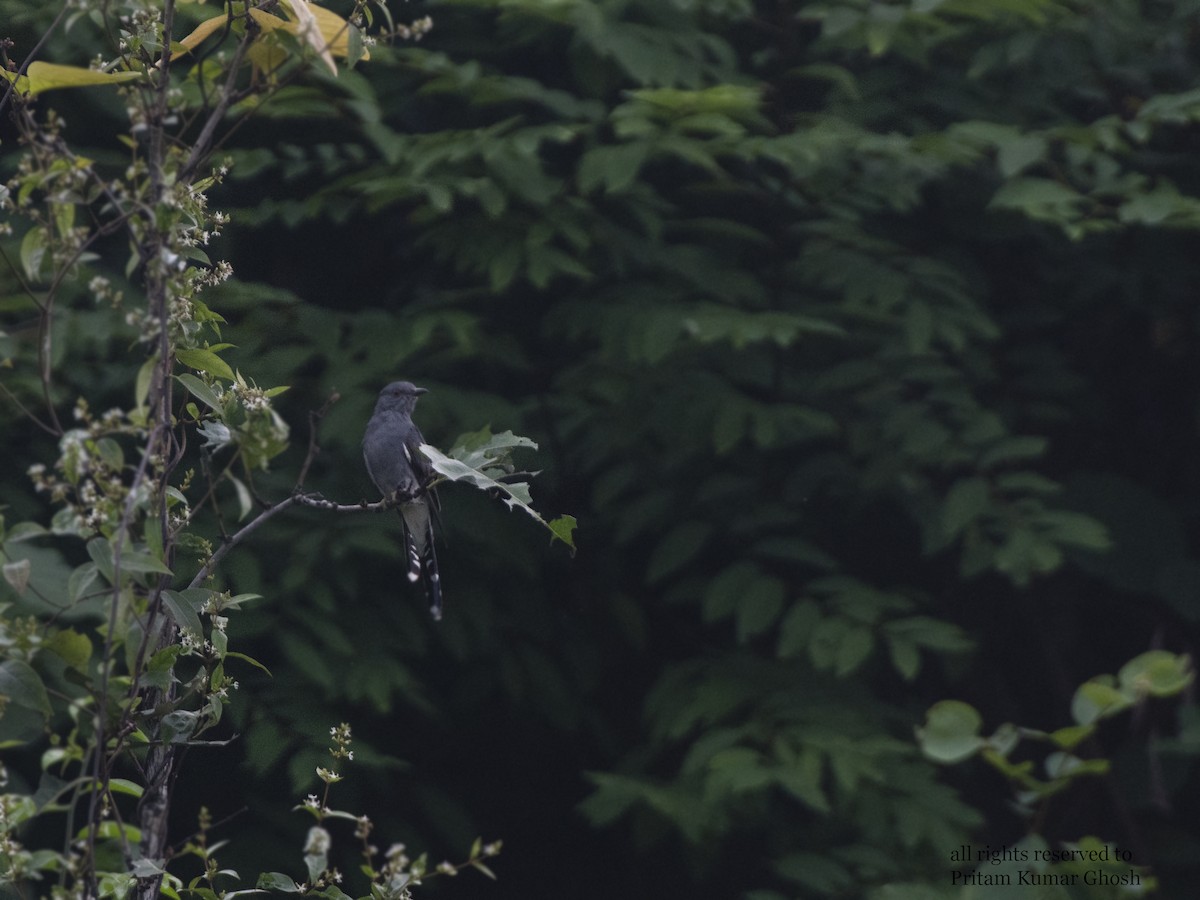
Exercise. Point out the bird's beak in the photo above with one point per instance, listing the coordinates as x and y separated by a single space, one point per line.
417 390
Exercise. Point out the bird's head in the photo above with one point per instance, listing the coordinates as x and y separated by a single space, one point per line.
400 396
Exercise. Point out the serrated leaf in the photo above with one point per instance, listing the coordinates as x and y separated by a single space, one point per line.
514 494
563 528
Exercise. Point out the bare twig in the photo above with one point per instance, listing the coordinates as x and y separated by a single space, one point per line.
32 56
203 142
314 421
314 500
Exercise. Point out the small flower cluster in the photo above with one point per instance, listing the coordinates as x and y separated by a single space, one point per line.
20 638
102 291
90 474
415 31
341 742
252 397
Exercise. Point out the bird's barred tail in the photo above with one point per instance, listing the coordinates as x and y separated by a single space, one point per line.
423 567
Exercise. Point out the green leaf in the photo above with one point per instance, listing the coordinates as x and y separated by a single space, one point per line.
101 553
797 628
125 786
1075 530
1158 673
759 606
72 647
682 544
277 881
22 686
967 501
160 670
613 168
81 580
145 377
803 780
563 528
33 252
204 360
1097 699
726 590
514 494
132 562
1038 198
820 874
1016 153
905 657
856 645
199 390
951 732
183 611
245 501
1072 736
142 564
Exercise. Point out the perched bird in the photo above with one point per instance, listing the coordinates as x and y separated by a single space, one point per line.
391 450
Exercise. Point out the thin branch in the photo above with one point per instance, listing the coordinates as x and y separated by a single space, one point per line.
202 143
27 412
314 420
32 56
314 500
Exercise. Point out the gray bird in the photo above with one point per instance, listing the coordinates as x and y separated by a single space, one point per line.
391 450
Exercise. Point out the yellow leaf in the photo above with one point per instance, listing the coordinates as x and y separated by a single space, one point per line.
310 32
336 31
43 76
203 30
332 27
268 22
266 56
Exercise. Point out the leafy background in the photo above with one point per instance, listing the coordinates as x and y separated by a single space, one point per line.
860 337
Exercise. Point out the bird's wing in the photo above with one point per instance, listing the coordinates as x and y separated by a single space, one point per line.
421 468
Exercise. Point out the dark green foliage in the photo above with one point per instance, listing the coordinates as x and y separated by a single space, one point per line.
861 339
